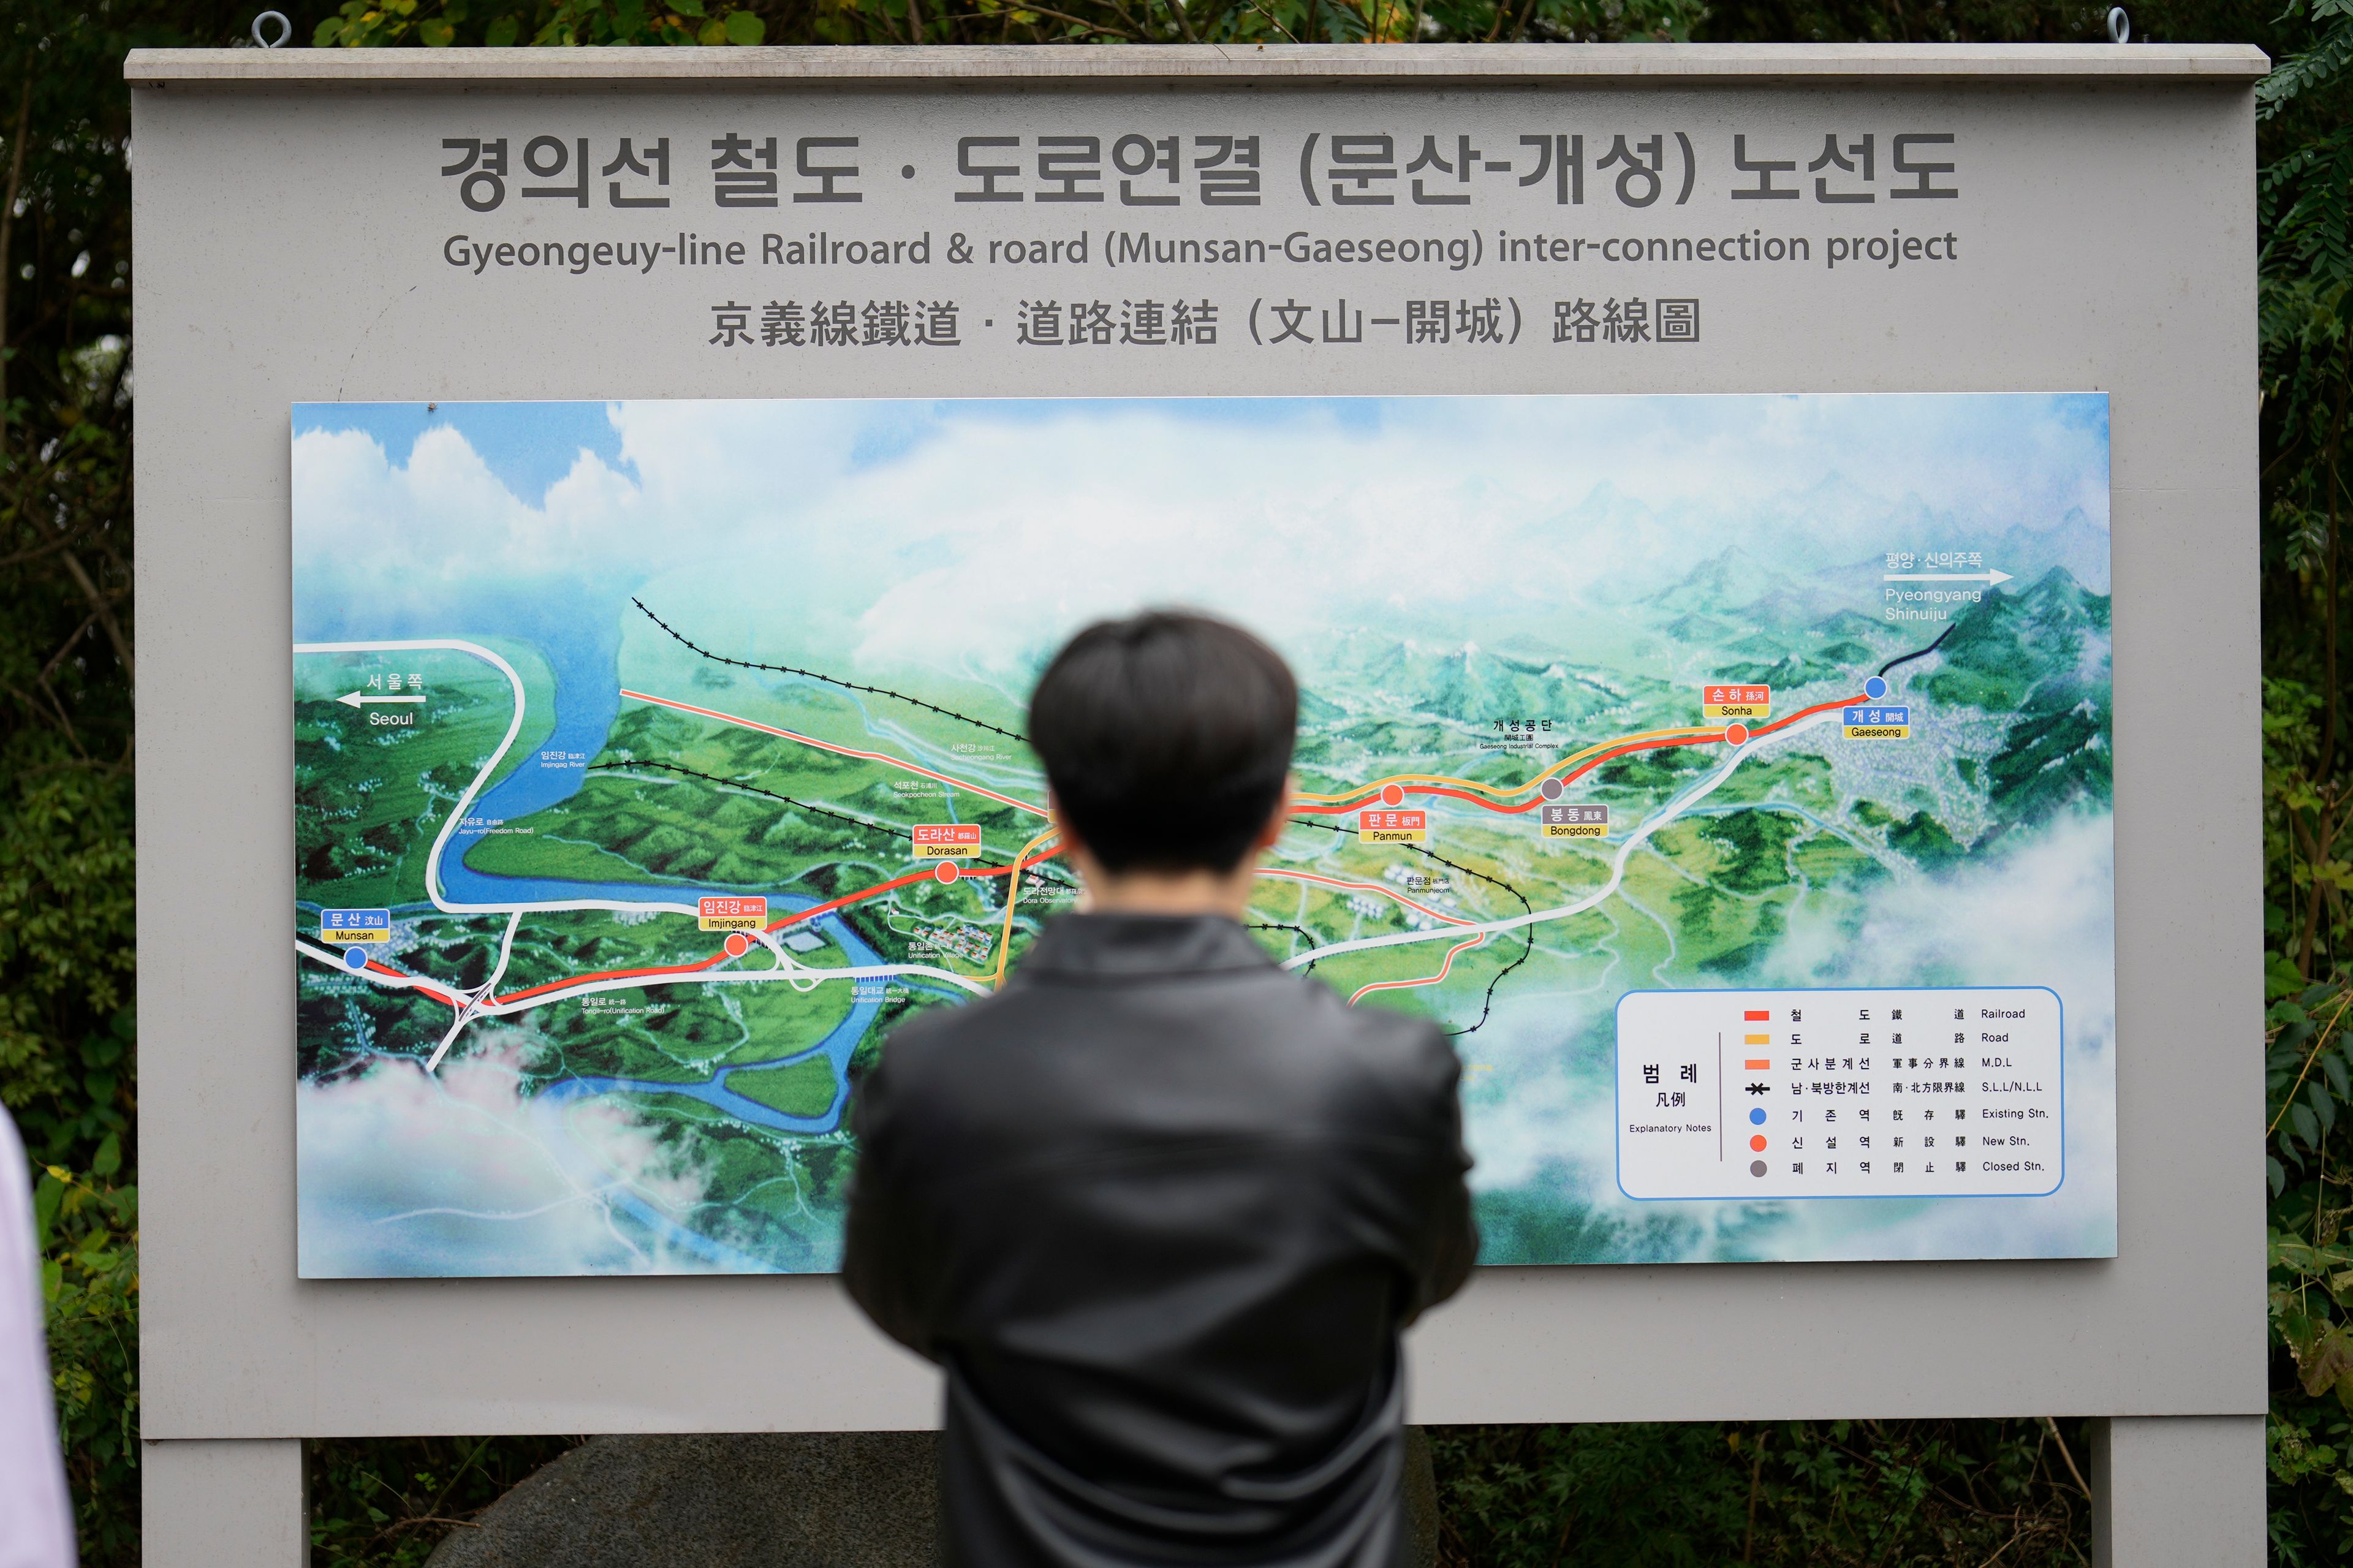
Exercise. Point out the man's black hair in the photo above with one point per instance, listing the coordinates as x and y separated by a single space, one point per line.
1166 737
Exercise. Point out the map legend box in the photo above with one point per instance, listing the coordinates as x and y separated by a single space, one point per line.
1898 1093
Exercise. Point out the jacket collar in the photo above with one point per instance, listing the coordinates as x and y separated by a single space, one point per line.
1123 946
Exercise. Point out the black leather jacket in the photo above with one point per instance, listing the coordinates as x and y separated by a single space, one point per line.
1159 1210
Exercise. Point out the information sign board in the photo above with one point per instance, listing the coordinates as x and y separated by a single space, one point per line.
498 370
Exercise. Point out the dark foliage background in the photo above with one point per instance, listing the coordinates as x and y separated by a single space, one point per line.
1848 1492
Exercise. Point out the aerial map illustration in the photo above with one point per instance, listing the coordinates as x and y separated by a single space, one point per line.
1728 776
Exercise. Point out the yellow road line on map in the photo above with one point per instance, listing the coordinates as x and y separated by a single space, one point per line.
1568 762
1012 891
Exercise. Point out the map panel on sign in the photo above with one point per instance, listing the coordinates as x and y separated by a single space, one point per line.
658 759
1831 1094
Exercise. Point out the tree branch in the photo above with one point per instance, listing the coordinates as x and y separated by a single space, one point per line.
104 610
8 227
54 714
41 552
2080 1483
2310 1056
58 658
2328 633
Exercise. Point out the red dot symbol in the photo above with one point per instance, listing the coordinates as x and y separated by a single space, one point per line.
1393 797
738 944
946 871
1735 734
1758 1142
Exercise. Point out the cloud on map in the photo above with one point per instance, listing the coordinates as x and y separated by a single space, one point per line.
982 530
401 1174
2043 914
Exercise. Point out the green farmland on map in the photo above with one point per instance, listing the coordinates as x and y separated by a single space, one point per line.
654 760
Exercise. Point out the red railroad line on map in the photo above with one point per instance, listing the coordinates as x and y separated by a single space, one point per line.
1374 799
883 757
1808 712
797 917
1443 970
801 917
609 975
415 983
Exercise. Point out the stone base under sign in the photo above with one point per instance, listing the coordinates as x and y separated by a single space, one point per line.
769 1499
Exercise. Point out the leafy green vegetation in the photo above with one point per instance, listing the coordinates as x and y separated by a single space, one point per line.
1888 1492
1829 1494
2307 307
377 1504
68 631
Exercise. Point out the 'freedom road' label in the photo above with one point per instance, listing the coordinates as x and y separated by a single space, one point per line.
730 912
947 840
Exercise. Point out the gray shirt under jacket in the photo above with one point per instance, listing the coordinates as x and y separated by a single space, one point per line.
1159 1210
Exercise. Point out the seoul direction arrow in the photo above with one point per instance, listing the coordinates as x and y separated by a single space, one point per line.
354 698
1988 578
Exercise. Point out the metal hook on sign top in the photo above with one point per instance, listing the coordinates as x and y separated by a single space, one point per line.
2119 25
285 29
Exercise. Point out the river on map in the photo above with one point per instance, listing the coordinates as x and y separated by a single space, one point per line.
585 702
581 643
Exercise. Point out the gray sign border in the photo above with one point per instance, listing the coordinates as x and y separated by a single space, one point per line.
235 1346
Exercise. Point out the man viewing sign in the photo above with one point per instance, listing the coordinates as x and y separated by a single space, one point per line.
1157 1208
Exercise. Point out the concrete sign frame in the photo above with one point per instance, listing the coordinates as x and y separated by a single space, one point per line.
290 249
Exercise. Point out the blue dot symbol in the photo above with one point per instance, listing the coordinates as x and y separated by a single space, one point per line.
1756 1116
355 959
1875 687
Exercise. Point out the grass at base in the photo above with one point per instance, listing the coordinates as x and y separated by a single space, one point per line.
1841 1494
